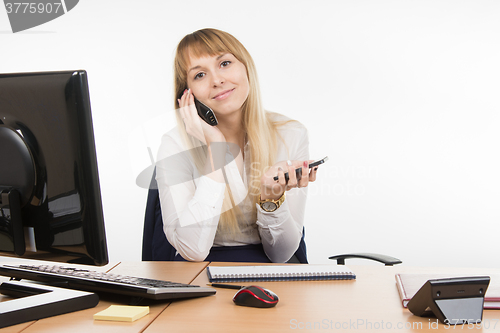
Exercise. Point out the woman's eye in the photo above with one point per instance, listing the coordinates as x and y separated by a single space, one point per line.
199 76
225 63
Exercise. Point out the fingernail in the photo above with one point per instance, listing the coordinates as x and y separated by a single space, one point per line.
185 90
189 90
280 169
306 164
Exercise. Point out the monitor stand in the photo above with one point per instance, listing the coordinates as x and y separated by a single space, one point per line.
11 223
35 301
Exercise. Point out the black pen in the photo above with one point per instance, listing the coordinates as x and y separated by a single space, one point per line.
227 286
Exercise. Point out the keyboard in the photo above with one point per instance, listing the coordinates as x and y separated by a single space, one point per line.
82 279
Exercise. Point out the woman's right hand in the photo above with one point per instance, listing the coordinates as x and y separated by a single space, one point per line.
195 126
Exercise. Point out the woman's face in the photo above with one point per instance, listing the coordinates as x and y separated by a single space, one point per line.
220 82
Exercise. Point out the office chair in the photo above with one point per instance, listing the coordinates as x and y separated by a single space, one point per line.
385 259
155 246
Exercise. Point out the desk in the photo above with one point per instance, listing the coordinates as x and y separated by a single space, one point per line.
370 303
82 321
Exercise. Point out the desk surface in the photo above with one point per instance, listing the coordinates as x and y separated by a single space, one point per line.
369 303
82 321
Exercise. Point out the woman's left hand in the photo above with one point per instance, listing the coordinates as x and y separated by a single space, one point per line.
274 189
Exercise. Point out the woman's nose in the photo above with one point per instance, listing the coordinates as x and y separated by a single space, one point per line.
218 80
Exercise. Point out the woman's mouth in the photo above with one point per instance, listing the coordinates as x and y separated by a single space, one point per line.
223 94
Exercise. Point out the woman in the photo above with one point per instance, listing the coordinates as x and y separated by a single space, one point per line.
216 185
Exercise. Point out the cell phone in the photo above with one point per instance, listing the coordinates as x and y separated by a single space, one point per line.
318 162
298 171
205 113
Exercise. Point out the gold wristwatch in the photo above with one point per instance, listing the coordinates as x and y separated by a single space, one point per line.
270 205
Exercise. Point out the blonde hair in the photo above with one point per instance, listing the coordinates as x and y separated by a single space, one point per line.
261 131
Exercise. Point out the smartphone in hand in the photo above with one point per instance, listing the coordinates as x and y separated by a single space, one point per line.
298 171
205 113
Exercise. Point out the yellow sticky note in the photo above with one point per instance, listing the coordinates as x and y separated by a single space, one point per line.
122 313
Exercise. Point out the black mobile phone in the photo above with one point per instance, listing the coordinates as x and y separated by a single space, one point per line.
318 162
298 172
205 113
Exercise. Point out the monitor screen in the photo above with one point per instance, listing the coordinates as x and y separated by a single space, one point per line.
50 200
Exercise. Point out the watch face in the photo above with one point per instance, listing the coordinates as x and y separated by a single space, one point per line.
269 206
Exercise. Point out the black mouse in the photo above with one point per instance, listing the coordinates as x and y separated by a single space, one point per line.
256 297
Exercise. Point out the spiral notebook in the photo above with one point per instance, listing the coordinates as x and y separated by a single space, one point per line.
279 273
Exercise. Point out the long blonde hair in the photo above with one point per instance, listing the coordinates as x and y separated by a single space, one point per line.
261 131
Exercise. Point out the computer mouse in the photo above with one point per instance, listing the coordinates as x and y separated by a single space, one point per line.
256 297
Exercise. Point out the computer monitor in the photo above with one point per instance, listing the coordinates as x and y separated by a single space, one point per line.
50 200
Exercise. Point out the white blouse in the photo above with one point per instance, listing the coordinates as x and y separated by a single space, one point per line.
191 203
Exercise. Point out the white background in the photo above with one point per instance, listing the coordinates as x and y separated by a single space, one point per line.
403 96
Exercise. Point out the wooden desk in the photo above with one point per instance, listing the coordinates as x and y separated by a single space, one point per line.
368 304
82 321
21 327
